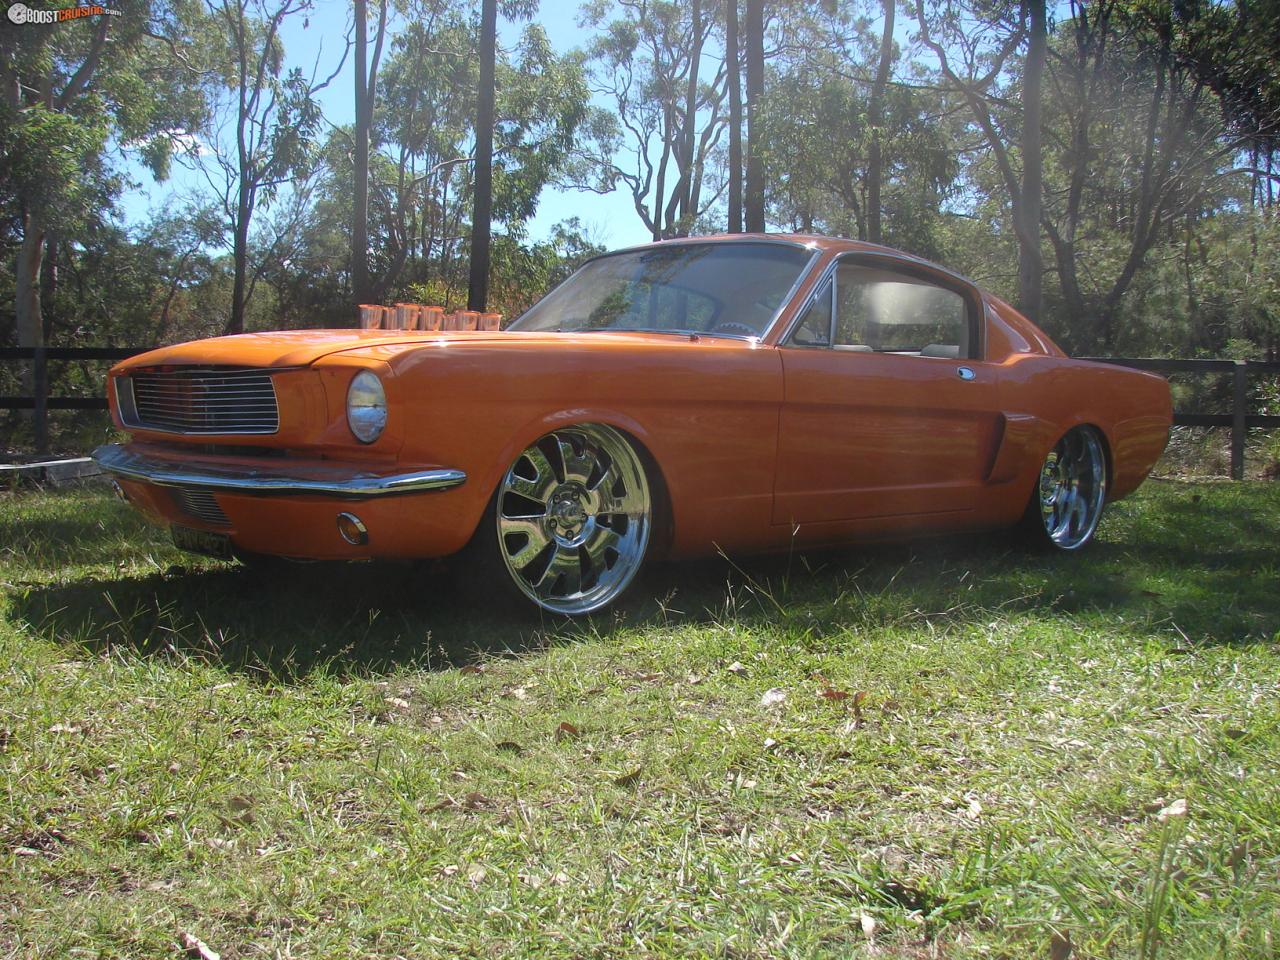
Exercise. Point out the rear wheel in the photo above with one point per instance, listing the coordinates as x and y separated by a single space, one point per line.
1067 502
571 520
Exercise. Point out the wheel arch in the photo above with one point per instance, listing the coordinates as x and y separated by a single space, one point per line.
632 431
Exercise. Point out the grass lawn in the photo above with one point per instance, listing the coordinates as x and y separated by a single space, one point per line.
939 750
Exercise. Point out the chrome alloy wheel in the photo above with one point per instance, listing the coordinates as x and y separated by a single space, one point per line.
1073 488
573 518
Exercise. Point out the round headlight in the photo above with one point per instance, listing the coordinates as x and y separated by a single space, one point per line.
366 406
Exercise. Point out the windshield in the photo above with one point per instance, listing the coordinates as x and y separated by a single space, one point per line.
720 289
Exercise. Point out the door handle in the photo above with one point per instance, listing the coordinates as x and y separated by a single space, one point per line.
965 373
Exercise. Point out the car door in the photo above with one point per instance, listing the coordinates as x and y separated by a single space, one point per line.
888 408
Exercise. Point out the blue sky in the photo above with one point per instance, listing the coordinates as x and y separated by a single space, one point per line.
611 219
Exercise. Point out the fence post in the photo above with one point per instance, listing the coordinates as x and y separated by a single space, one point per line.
1239 399
40 400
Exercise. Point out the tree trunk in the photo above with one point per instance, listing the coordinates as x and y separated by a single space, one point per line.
27 312
1030 262
360 204
49 284
875 117
753 202
482 206
690 120
240 256
366 93
31 325
735 114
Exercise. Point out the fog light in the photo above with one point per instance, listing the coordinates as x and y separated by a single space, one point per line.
352 530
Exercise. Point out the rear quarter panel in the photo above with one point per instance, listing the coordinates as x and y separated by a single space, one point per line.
1132 408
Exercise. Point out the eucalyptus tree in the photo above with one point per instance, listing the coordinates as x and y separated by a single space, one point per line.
1140 145
974 45
819 140
423 143
76 97
649 60
264 130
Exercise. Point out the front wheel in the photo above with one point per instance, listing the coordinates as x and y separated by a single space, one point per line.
571 520
1067 502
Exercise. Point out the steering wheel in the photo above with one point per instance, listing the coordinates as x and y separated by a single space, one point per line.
735 327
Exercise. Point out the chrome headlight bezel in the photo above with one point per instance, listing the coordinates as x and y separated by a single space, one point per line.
366 406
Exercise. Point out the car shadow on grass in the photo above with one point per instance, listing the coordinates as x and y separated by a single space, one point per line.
1176 568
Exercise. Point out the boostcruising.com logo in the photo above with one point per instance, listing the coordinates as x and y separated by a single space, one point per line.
20 13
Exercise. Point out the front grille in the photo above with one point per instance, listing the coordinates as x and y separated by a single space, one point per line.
200 504
223 400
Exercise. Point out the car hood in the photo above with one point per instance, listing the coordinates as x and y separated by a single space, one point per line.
300 348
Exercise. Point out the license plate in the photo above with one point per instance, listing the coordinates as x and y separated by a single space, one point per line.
202 541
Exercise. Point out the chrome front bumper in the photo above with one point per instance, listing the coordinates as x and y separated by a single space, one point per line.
271 478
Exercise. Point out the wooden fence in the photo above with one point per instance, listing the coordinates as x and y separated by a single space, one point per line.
41 402
1239 419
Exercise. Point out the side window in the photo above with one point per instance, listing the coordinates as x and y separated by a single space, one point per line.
814 328
889 312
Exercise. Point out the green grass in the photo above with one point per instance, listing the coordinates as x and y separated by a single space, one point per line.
349 762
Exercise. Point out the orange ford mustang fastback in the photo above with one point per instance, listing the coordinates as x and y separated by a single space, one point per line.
746 393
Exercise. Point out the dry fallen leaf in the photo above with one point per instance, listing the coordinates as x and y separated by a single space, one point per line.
473 668
476 873
68 728
449 870
476 801
772 697
1176 809
398 702
1060 945
509 746
515 693
629 779
975 809
198 948
566 731
827 693
737 669
868 925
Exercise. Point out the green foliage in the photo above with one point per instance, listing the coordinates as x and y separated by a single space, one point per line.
815 141
134 89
